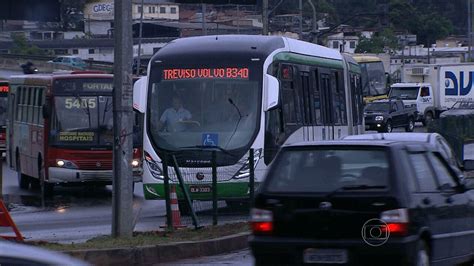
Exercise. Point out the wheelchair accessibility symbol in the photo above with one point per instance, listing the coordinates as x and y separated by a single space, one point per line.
210 139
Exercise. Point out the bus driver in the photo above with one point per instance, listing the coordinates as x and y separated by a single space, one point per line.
171 116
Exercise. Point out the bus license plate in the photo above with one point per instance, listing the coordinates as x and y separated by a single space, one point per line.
200 189
312 255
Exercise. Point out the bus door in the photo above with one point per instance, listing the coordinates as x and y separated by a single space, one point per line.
306 106
339 105
326 131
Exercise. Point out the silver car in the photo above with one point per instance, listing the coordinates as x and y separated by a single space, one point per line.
436 140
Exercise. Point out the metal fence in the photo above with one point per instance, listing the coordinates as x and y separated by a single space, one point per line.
199 193
458 130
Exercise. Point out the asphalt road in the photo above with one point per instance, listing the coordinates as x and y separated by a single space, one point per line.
241 257
73 214
76 214
5 73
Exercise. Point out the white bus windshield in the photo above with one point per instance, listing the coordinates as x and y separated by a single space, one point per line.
373 79
209 111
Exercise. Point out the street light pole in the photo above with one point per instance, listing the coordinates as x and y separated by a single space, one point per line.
203 11
122 193
265 17
301 19
139 63
469 29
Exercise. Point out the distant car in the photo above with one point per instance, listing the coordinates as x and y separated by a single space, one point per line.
437 141
385 115
19 254
460 108
71 61
362 203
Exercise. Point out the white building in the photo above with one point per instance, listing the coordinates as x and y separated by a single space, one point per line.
346 41
99 15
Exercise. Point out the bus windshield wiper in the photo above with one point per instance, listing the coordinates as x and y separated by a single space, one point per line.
203 147
106 109
88 111
238 121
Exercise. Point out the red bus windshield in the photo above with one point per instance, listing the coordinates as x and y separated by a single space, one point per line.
82 113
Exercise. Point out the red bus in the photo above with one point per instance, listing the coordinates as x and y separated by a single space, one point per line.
4 87
61 130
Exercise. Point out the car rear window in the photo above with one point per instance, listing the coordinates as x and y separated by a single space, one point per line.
329 169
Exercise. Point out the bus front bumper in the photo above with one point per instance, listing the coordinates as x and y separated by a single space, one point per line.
65 175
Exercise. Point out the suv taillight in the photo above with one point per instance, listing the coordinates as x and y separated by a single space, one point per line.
261 221
396 220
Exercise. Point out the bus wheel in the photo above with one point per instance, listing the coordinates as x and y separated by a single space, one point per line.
23 180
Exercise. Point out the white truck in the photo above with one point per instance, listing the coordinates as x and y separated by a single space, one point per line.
434 88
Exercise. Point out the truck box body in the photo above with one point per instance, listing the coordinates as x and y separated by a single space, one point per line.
447 83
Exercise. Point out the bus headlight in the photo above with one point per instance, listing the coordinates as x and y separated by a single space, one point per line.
379 118
135 162
155 169
244 172
66 164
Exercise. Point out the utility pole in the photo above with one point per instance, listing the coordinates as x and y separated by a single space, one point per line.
265 17
122 194
238 21
301 19
204 27
315 22
139 63
469 29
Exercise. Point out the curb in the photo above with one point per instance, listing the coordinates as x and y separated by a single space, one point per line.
148 255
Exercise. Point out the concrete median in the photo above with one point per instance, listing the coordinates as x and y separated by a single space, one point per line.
149 255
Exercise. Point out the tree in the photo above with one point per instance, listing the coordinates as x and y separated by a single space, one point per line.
432 28
21 46
385 41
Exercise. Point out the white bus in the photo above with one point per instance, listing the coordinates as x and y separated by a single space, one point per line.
232 93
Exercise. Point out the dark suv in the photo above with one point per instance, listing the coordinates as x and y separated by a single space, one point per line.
362 203
385 115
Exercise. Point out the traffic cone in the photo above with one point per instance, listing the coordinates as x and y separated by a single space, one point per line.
175 214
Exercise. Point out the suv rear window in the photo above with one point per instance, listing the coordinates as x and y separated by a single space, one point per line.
329 169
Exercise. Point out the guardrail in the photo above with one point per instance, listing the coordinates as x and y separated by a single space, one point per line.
37 59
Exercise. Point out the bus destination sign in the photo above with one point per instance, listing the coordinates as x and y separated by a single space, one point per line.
94 85
76 136
208 73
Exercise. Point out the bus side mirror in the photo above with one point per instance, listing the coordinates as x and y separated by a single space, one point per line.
271 92
140 94
46 111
